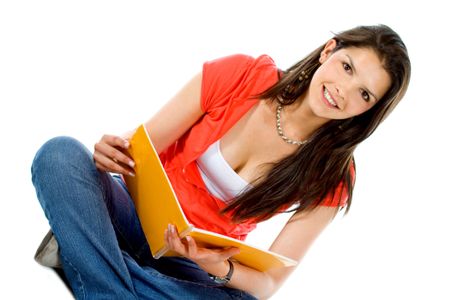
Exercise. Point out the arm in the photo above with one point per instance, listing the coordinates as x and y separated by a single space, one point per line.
176 116
164 128
293 241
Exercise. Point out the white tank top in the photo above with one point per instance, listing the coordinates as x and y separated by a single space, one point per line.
219 177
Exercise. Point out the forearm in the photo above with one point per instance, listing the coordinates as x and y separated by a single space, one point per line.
215 261
259 284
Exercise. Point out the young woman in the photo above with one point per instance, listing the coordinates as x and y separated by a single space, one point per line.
241 142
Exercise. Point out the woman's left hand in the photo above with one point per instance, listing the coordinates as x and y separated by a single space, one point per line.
204 257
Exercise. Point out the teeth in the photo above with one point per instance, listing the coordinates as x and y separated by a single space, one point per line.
328 97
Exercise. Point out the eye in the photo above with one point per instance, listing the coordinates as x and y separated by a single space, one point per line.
347 67
365 95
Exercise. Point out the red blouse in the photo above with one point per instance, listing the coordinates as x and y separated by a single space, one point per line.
227 85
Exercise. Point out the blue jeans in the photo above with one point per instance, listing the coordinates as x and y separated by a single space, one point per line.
102 246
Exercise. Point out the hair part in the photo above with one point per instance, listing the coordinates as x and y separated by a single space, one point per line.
308 177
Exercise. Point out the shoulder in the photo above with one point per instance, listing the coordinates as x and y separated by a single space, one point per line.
237 75
237 64
234 59
240 59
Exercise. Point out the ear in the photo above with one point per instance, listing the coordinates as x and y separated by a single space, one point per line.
327 50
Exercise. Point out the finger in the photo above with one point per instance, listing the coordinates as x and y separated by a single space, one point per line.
192 247
115 141
111 146
166 238
100 166
114 154
100 161
175 241
106 164
229 252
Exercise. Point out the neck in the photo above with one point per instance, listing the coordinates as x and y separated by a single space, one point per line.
299 121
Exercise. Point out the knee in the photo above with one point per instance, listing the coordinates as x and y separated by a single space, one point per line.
59 156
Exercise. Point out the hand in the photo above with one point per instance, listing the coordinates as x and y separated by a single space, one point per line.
109 155
212 260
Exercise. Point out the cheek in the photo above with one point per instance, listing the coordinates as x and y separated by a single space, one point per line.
323 72
358 107
320 77
326 73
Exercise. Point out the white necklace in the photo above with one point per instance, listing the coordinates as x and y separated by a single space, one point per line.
280 130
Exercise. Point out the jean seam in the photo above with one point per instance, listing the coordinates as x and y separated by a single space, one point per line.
80 281
216 287
67 261
164 276
117 228
137 252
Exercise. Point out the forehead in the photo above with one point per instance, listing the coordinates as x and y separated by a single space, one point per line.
369 68
364 55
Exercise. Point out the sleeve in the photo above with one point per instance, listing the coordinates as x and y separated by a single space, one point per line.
235 77
339 197
220 77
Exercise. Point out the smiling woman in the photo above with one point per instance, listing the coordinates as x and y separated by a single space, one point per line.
286 139
350 91
333 131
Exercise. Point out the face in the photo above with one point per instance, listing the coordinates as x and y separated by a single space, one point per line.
349 82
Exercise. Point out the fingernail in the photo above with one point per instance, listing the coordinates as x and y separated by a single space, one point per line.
131 163
131 174
126 144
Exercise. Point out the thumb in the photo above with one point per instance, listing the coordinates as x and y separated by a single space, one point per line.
229 252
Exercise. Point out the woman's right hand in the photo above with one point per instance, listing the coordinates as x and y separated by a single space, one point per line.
109 155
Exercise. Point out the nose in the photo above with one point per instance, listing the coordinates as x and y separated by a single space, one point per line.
345 88
348 89
339 92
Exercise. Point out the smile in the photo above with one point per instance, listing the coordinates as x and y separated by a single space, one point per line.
328 98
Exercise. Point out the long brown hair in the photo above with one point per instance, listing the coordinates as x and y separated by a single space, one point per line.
305 178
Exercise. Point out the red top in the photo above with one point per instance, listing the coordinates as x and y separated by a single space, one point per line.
227 85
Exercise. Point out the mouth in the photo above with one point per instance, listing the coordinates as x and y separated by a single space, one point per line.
328 99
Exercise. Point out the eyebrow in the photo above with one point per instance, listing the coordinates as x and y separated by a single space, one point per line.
354 69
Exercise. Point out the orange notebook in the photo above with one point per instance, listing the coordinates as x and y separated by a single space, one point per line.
157 206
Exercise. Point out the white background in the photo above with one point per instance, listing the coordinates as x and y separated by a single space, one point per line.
84 68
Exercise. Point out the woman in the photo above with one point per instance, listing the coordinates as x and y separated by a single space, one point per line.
241 142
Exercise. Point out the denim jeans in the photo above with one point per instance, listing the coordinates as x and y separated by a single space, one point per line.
103 249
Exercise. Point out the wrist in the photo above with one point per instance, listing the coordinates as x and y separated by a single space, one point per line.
224 278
